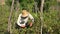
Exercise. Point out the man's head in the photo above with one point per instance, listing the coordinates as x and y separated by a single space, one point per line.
24 13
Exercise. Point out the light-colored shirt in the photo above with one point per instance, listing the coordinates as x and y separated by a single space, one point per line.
24 20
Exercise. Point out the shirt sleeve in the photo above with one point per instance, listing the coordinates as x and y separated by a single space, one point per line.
18 21
31 17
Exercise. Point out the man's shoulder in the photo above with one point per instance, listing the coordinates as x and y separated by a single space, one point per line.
29 14
20 14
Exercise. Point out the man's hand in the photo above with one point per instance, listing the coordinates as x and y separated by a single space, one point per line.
30 24
23 26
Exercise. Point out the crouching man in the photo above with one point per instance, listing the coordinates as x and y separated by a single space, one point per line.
23 19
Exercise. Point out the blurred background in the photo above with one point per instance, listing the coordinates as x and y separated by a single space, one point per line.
51 16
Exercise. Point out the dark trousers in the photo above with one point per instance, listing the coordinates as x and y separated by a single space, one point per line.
18 27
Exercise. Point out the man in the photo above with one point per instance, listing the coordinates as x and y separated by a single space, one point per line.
24 18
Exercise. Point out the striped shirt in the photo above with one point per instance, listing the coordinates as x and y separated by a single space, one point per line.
23 20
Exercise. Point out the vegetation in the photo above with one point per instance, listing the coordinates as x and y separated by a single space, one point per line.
51 16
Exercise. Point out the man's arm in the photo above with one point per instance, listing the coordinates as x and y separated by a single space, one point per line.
31 17
18 21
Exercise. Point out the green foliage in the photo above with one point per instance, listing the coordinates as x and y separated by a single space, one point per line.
51 18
